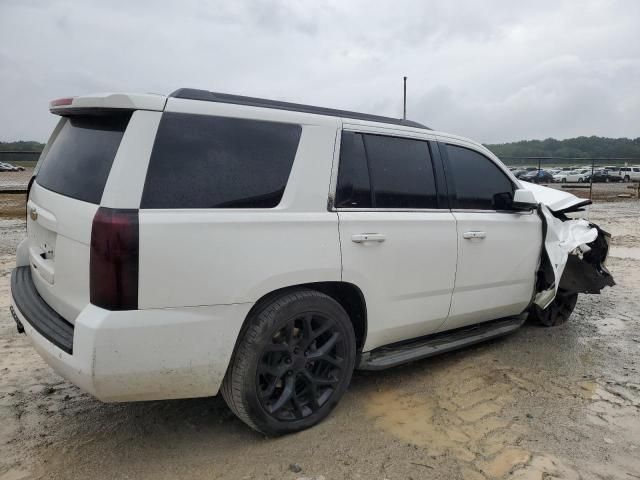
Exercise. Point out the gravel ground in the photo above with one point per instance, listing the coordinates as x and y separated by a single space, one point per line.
539 404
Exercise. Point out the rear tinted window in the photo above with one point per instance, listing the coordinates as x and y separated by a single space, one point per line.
353 189
80 158
201 161
479 183
401 172
384 172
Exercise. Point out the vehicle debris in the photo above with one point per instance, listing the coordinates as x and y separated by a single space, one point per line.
574 250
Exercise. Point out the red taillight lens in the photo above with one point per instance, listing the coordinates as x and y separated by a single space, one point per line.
113 265
59 102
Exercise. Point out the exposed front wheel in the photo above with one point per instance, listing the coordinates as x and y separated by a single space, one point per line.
627 178
293 363
557 313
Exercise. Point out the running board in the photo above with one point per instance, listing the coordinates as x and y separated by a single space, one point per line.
423 347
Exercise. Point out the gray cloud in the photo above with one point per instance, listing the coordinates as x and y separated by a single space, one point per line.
494 71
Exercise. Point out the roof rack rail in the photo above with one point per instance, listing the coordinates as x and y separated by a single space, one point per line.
205 95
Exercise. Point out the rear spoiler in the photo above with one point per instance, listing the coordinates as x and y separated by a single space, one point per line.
99 102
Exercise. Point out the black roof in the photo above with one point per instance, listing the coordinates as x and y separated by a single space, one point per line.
195 94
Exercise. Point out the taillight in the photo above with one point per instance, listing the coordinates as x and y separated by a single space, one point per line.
113 265
60 102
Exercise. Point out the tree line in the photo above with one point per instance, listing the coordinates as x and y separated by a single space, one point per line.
579 147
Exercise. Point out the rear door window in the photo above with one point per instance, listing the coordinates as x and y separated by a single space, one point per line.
80 158
378 171
353 189
479 184
401 172
201 161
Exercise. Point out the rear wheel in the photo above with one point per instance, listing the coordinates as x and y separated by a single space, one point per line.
293 363
557 313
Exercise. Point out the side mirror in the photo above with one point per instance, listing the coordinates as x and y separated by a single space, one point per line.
524 199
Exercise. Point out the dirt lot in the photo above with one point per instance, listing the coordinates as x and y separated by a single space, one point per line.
541 403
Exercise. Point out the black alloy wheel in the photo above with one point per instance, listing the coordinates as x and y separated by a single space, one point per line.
301 367
293 363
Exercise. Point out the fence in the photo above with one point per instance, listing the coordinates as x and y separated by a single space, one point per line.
584 187
17 181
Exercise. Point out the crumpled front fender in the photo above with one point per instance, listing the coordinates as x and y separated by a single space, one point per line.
573 257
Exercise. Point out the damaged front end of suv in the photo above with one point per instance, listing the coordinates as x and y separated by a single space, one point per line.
573 258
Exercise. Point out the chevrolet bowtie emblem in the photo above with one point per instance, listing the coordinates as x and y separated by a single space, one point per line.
33 213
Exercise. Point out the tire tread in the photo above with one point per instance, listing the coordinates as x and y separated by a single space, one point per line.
259 321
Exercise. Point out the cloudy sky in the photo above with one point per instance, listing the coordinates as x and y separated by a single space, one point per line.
492 70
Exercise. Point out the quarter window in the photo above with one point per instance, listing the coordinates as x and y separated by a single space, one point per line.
201 161
478 183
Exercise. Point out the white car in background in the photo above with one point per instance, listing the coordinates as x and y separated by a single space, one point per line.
185 245
628 174
578 176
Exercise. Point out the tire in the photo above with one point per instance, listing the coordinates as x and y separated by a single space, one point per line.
564 180
557 313
292 364
627 178
579 179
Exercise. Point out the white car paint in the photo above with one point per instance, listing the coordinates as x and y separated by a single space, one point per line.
494 272
201 270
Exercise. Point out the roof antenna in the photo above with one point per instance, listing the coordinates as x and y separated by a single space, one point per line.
404 111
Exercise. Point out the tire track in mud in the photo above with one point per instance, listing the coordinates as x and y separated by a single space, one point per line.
471 414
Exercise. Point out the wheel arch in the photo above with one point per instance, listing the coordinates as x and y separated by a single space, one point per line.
348 295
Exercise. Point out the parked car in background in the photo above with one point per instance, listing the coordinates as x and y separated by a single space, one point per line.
8 167
603 175
519 172
537 176
628 174
579 176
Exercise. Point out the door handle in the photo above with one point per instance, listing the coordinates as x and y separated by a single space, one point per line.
474 234
367 237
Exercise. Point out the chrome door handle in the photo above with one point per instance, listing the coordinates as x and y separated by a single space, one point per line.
474 234
367 237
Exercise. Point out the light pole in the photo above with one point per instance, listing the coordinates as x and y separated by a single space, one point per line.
404 110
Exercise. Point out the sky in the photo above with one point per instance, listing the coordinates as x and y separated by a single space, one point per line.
495 71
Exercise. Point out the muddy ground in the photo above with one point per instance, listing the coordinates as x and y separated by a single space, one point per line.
541 403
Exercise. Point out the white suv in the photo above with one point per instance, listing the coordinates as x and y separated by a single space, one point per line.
629 174
184 245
